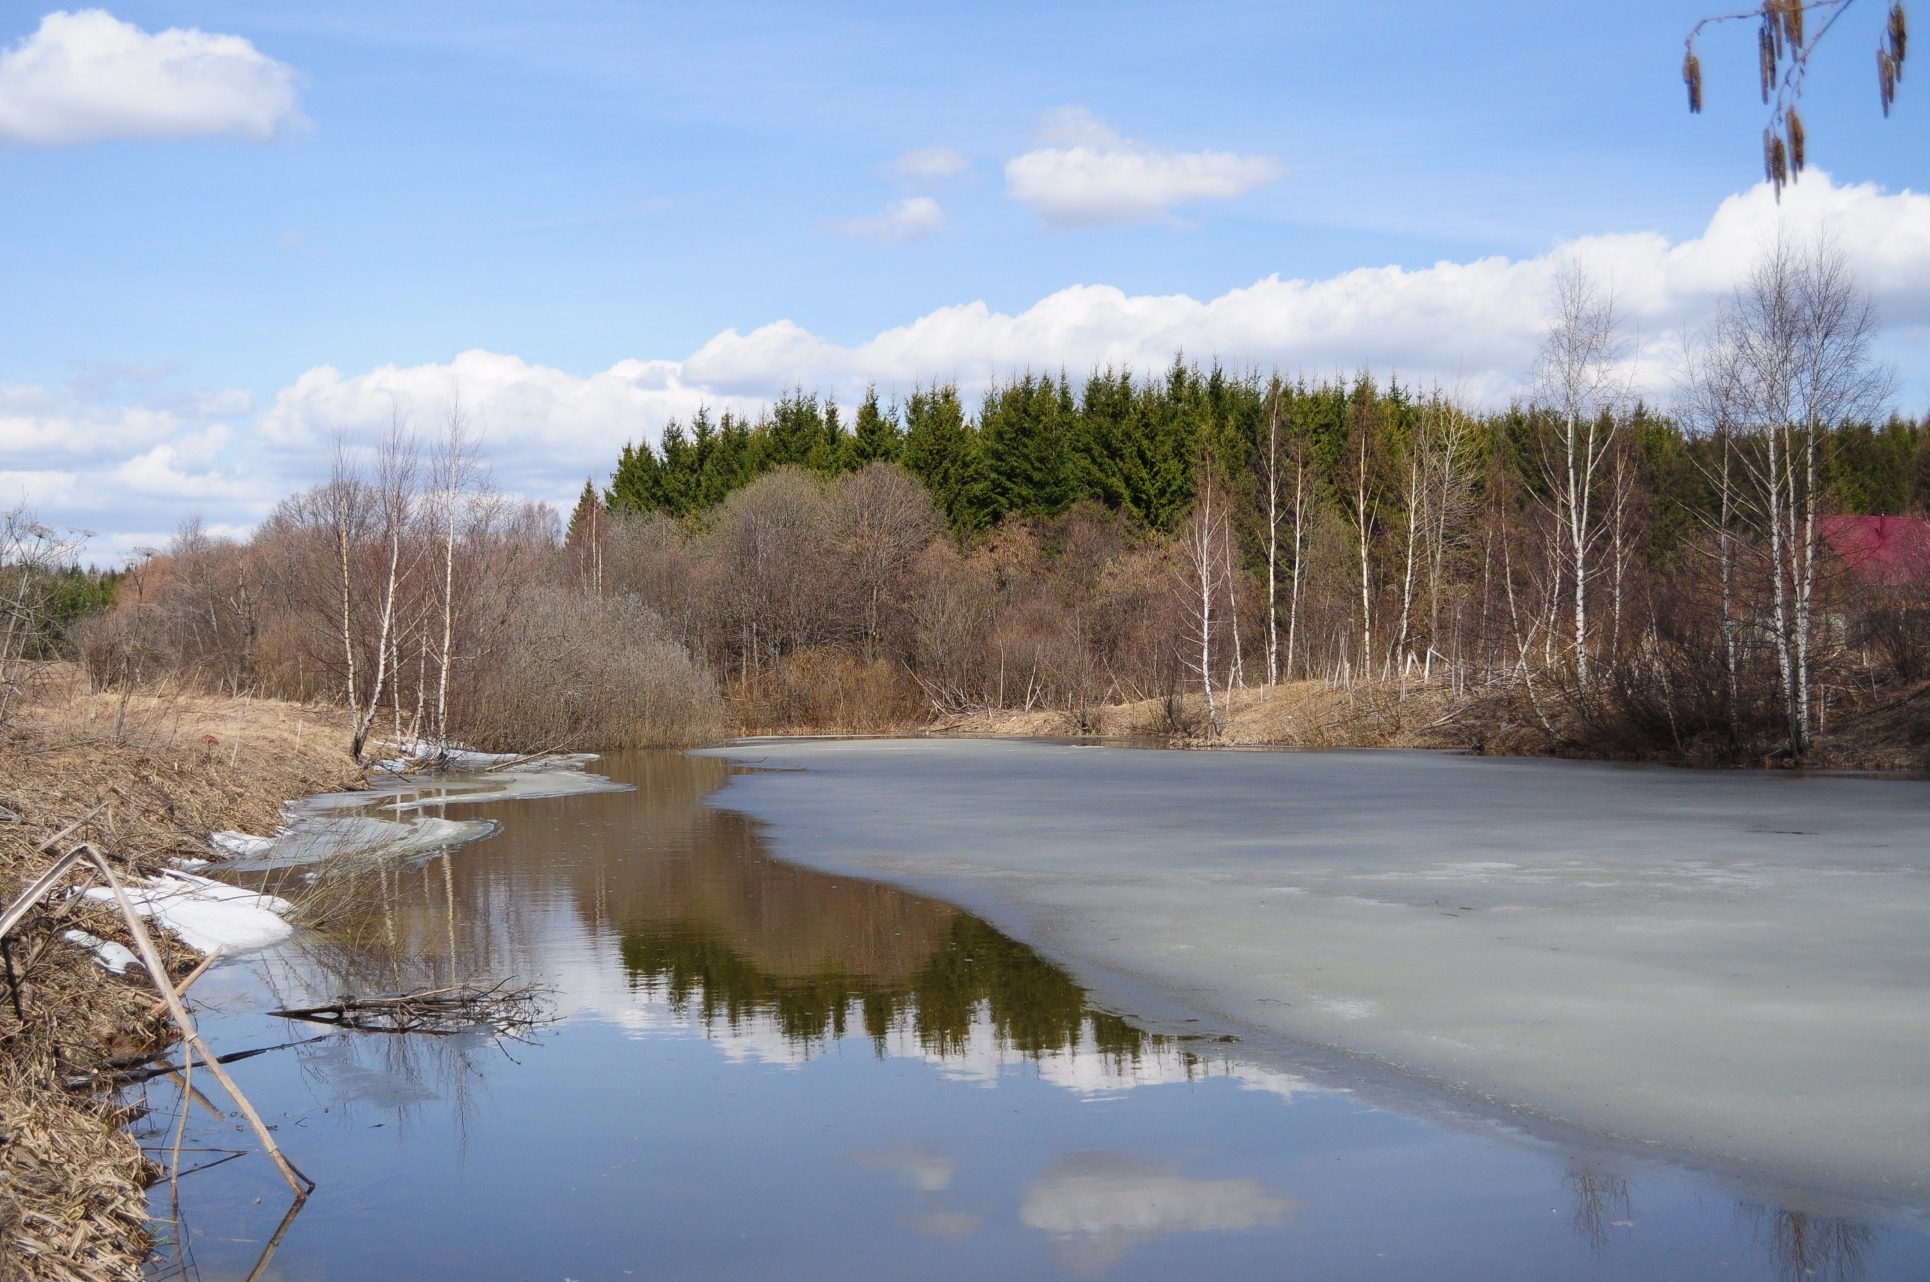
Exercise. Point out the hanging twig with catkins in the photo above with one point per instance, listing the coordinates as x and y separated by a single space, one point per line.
1788 34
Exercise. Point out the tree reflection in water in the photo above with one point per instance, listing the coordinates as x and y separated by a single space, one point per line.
1812 1247
1601 1203
973 973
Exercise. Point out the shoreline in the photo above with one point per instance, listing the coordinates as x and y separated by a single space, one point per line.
1894 737
166 771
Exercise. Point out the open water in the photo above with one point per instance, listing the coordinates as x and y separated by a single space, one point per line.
761 1070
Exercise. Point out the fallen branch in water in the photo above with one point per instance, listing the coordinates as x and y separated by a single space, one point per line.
440 1012
138 1068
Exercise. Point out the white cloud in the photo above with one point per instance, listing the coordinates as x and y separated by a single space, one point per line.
1475 326
87 76
911 219
928 165
1086 175
543 428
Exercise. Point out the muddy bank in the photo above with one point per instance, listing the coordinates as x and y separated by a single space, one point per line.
161 773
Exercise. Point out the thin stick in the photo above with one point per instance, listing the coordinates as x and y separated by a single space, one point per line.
158 973
68 831
181 989
33 894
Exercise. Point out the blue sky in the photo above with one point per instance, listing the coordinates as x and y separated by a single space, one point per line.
572 186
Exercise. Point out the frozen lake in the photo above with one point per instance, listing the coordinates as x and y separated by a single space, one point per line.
764 1069
1730 968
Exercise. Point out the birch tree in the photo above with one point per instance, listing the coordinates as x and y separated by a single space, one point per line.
1202 556
455 469
1361 486
1582 382
394 508
1712 403
1803 328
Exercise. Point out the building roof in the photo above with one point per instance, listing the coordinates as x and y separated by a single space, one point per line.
1889 550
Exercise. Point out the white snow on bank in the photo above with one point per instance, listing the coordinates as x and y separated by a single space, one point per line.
1728 965
422 752
112 957
203 914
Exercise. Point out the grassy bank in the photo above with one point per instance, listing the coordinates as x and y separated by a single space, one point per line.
1873 734
167 769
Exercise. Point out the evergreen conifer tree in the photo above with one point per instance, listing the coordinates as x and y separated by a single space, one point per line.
1026 430
637 485
589 511
941 450
877 436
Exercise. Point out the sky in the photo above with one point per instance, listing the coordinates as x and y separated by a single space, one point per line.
233 230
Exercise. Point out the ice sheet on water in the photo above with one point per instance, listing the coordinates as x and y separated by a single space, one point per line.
1735 966
508 785
312 838
334 824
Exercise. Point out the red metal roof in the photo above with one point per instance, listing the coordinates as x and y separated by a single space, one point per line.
1892 550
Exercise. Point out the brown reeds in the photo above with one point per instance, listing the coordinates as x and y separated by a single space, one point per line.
131 769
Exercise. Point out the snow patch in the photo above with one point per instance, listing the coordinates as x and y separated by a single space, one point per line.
205 914
114 958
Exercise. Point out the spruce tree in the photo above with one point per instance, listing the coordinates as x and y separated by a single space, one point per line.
1025 435
637 485
589 511
877 436
941 450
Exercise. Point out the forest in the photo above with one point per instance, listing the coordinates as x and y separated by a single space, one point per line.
1583 572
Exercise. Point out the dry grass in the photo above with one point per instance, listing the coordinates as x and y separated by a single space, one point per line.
171 767
826 691
1305 714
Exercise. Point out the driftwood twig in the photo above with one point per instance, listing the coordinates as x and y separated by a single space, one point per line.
439 1012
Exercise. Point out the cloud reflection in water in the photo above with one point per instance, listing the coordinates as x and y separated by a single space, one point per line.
1099 1206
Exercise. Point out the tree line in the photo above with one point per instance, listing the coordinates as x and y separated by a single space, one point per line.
1639 579
1582 571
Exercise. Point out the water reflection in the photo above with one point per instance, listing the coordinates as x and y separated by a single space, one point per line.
663 921
1601 1203
1814 1247
1099 1206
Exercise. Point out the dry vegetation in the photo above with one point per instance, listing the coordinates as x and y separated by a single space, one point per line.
170 766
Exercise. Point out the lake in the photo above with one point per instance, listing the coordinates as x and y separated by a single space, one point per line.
885 1009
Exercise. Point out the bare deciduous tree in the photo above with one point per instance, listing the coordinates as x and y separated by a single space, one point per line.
1582 380
1203 556
1802 329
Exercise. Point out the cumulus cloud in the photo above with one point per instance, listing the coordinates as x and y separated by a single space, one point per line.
911 219
1085 175
86 76
928 165
1473 326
